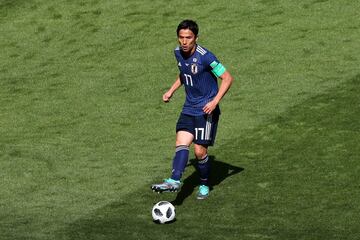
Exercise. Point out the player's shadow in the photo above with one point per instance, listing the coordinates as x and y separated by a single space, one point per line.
219 172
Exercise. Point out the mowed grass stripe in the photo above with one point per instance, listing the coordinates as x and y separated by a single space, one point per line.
300 169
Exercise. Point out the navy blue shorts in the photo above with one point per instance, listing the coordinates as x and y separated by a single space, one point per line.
203 127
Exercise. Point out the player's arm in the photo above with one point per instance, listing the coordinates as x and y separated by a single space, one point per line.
226 81
173 88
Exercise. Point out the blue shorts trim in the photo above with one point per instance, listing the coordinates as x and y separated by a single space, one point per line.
203 127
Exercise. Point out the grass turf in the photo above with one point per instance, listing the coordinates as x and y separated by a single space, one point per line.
83 131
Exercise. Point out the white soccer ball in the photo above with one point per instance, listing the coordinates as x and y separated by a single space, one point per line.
163 212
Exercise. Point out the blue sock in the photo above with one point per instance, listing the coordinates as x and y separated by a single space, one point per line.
203 167
179 162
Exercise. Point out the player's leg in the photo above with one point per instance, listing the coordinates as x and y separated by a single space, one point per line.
203 163
183 141
205 132
203 167
172 184
184 138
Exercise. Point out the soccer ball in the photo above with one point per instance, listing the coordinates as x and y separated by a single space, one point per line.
163 212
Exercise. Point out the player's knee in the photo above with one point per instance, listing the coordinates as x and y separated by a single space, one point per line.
200 153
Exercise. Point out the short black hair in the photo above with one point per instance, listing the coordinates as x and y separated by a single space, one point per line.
188 24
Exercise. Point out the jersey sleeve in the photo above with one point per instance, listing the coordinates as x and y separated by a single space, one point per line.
213 63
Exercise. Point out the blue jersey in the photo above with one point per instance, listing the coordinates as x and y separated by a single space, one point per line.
198 74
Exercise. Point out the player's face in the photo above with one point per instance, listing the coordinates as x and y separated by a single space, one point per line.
187 41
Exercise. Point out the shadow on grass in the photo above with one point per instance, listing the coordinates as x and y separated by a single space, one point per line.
219 172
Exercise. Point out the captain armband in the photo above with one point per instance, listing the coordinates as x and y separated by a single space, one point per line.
217 68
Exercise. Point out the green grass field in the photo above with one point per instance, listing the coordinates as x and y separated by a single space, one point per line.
84 133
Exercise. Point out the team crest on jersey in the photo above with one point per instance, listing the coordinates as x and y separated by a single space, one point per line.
194 59
194 68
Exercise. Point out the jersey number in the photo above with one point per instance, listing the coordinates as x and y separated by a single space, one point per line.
188 80
199 133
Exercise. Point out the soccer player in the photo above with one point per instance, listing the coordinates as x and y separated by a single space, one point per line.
199 71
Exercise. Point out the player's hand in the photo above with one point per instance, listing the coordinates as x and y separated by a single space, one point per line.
209 107
167 96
